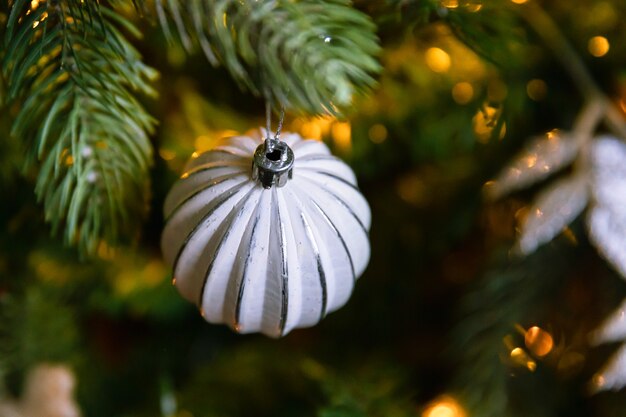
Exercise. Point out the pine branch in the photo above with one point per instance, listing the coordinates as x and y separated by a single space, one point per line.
513 293
308 55
74 76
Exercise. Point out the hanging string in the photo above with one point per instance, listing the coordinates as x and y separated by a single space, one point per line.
281 120
268 120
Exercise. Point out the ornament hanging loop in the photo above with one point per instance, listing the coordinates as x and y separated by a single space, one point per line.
273 159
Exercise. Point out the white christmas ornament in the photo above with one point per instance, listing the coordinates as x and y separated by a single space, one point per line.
598 183
266 236
541 157
613 329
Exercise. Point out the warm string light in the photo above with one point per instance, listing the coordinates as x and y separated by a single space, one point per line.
412 189
470 6
598 46
450 4
437 59
598 381
134 277
342 136
536 89
485 121
538 343
377 133
340 132
521 358
463 92
444 406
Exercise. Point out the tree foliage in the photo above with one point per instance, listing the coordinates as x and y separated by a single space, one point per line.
308 55
74 76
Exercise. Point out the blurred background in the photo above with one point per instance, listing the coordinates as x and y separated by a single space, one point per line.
445 322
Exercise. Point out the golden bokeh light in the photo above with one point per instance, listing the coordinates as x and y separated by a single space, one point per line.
167 154
450 4
342 135
568 233
444 406
437 59
377 133
531 160
474 7
519 1
484 121
105 251
553 134
462 92
203 143
521 358
412 190
311 130
598 380
598 46
296 124
538 341
137 277
536 89
315 128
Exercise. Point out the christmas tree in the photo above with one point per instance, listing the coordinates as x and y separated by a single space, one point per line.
487 138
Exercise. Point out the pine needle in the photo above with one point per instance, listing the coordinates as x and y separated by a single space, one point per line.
73 76
309 55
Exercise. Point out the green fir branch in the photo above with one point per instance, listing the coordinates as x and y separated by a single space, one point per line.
308 55
512 293
74 76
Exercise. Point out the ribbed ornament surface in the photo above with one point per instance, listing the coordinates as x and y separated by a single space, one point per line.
266 260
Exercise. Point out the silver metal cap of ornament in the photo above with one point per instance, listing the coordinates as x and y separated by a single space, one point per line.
273 163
